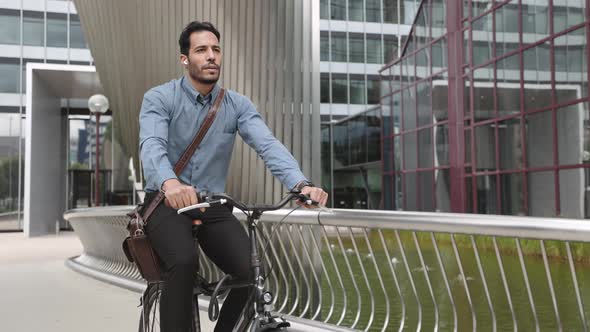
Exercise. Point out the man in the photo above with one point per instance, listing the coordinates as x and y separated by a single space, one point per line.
170 116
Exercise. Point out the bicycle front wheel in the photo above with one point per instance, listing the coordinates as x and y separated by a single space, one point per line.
149 319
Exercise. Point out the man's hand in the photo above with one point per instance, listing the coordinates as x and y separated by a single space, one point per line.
179 195
316 194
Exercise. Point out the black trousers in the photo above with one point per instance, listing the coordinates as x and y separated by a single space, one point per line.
223 240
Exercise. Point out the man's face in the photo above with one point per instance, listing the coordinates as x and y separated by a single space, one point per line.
204 57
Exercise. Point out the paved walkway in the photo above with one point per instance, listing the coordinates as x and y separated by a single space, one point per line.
39 293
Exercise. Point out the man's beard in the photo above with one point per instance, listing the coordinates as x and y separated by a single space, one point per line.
194 74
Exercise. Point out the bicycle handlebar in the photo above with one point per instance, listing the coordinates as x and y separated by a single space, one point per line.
209 200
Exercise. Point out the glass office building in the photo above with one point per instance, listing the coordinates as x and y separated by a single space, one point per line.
46 31
487 110
357 38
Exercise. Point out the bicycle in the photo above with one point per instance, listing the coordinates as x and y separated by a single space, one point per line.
256 315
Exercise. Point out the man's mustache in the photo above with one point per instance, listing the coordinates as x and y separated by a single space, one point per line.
210 66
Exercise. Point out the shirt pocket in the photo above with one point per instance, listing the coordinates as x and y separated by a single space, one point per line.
230 124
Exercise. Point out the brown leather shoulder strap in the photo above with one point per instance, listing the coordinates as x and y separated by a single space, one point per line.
190 150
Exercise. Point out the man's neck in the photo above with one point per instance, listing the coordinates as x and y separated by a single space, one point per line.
202 88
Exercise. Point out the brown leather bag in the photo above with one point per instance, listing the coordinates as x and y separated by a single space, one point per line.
136 246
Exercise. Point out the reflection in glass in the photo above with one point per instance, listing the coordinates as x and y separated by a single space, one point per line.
409 108
373 11
535 21
10 26
485 147
390 46
574 198
539 139
426 183
569 15
357 131
424 99
410 197
486 194
390 11
426 148
355 11
410 142
483 93
510 144
572 135
373 122
512 194
373 90
541 190
341 145
441 141
10 127
397 153
442 179
571 74
33 30
387 155
325 88
324 46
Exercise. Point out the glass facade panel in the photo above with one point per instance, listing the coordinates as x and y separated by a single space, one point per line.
439 25
341 145
324 46
339 89
356 47
355 11
390 46
574 196
373 122
424 100
33 29
442 179
510 144
373 90
397 153
390 12
9 75
485 147
426 148
324 9
535 21
57 30
338 46
571 66
10 26
573 134
24 72
539 139
483 93
508 85
512 194
374 50
338 9
357 90
77 39
410 196
409 108
373 11
357 131
325 88
387 155
441 142
410 149
439 55
10 127
567 13
426 183
541 190
487 202
507 22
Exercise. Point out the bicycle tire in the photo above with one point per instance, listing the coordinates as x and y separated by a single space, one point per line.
149 318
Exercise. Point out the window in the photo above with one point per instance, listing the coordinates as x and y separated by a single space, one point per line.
356 47
339 89
338 46
357 89
10 26
24 73
9 74
390 11
57 30
325 88
324 9
338 9
374 52
324 46
390 46
33 30
373 93
76 34
355 10
373 11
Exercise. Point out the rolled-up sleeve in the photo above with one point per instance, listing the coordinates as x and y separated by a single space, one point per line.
275 155
154 119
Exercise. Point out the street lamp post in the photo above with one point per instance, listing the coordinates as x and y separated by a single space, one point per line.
98 104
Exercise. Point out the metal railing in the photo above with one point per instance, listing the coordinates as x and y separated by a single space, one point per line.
394 271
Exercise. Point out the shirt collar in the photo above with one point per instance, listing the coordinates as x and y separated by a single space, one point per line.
195 96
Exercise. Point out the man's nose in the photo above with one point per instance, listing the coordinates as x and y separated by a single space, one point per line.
210 55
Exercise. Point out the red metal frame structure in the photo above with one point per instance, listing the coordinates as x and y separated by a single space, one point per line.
508 138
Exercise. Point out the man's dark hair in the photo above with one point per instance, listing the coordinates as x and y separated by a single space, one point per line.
185 36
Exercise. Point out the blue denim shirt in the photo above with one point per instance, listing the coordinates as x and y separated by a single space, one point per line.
172 113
